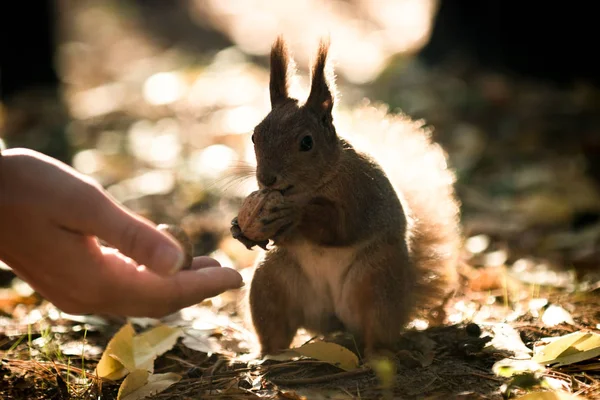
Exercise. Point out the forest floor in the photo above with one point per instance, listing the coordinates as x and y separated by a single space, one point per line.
525 154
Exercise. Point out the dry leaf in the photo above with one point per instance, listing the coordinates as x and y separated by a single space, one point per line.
569 349
117 360
329 352
155 384
555 315
135 380
143 354
153 343
127 352
507 338
162 338
200 341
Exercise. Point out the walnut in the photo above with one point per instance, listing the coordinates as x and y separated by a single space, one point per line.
255 208
183 239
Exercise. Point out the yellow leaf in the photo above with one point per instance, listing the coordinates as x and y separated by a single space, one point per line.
162 338
329 352
143 354
155 384
548 396
153 343
117 359
128 352
135 380
569 349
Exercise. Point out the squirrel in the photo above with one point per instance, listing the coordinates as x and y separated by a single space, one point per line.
351 252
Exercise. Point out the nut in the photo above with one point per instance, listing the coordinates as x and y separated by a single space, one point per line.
183 239
254 208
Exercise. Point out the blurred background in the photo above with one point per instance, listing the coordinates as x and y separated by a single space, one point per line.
156 100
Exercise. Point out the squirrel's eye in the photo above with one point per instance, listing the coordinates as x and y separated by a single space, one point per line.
252 138
306 144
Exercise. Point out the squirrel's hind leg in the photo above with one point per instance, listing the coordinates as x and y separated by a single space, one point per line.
273 299
378 297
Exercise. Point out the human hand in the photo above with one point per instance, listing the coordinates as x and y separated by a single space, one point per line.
50 219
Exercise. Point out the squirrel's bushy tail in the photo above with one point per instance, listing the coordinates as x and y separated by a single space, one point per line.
417 167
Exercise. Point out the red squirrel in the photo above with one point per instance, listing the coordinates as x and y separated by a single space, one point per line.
350 251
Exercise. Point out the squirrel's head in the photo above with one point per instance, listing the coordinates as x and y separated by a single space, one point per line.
296 146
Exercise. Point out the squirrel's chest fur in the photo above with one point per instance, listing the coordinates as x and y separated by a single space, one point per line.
325 268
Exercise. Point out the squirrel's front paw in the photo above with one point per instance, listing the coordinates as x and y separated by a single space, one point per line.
278 219
237 234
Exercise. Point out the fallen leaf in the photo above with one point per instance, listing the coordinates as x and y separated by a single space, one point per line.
536 306
162 338
154 342
155 384
143 354
200 341
329 352
528 271
569 349
82 319
555 315
127 352
507 338
135 380
477 244
142 321
117 360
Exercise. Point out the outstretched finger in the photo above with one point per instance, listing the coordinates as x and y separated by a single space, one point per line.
204 262
141 293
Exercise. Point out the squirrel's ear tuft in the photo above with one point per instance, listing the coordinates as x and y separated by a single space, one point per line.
282 67
322 84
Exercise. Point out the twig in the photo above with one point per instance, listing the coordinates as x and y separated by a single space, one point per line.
294 363
180 360
321 379
210 371
489 377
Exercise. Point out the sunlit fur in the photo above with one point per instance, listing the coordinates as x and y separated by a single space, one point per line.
386 248
277 138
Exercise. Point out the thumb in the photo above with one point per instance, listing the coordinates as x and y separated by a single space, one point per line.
135 237
140 240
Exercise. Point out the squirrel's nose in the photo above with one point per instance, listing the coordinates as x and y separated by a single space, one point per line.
267 179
